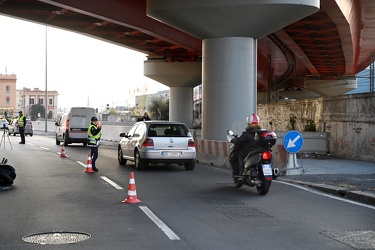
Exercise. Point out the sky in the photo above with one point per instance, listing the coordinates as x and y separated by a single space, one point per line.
85 71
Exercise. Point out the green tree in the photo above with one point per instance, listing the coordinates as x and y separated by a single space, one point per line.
35 110
159 108
112 111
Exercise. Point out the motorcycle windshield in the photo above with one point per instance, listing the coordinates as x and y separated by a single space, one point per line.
239 126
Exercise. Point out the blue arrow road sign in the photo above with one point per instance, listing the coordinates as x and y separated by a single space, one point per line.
293 141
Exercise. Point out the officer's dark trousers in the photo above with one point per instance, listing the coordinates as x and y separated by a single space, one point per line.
94 156
22 134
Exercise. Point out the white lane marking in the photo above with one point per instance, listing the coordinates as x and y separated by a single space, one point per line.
111 182
171 235
45 148
327 195
82 164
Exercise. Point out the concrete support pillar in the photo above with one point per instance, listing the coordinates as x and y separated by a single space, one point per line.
229 84
181 77
181 105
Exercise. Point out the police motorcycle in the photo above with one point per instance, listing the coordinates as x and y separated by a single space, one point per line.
7 173
258 170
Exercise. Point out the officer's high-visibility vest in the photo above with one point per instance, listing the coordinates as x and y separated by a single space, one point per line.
20 121
93 139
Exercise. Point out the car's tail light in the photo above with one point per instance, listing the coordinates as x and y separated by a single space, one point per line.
266 155
191 143
148 143
67 124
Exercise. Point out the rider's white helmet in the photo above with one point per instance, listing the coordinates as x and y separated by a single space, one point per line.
252 119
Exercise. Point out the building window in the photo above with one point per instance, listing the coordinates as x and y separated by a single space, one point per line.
7 89
32 101
7 100
41 102
50 101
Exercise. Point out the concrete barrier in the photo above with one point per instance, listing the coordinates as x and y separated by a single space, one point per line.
214 153
111 133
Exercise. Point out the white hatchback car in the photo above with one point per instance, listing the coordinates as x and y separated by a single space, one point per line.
157 142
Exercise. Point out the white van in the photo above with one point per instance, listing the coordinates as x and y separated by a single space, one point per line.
72 126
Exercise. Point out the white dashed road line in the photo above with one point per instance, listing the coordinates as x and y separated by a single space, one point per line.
82 164
111 182
171 235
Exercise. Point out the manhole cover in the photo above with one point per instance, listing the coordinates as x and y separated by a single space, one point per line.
363 239
54 238
234 209
241 212
221 201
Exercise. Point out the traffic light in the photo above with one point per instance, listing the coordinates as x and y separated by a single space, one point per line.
107 106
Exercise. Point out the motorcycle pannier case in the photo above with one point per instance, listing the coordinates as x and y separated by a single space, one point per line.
265 138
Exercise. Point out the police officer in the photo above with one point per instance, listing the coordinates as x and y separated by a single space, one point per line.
94 134
145 117
21 123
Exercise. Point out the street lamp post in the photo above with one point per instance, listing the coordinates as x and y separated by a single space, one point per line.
46 96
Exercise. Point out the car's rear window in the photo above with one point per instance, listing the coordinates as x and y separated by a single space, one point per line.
168 130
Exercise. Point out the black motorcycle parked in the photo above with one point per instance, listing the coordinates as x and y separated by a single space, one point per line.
258 169
7 173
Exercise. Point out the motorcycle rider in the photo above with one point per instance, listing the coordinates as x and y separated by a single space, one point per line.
245 143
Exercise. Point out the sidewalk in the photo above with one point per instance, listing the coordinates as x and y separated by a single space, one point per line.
354 180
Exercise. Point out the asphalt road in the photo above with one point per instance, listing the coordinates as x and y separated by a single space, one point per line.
53 201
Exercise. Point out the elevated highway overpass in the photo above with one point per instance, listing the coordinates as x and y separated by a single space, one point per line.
250 51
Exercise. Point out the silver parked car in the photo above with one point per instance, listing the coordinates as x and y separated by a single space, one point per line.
157 142
13 127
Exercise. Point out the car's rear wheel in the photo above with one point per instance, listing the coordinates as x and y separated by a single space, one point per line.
139 165
120 159
190 165
57 141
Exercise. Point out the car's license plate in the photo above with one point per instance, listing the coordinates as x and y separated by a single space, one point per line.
171 153
267 169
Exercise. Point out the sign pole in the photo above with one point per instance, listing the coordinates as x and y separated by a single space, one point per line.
292 167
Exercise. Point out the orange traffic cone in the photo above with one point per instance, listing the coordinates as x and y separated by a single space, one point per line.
89 164
62 154
132 192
